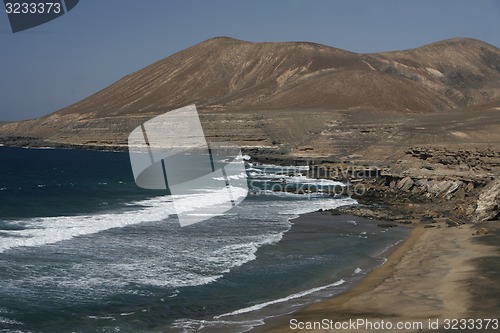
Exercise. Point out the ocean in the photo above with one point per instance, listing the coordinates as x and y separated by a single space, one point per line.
83 249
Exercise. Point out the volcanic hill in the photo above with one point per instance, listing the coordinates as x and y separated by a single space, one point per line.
295 99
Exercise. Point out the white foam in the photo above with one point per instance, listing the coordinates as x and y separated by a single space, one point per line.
9 321
277 168
214 261
125 314
186 263
195 325
101 317
220 261
388 247
177 280
261 175
50 230
304 196
357 270
194 202
280 300
311 181
233 177
240 254
41 148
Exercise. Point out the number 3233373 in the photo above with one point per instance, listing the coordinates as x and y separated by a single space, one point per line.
33 8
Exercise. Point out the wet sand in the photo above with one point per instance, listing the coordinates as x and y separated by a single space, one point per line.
436 274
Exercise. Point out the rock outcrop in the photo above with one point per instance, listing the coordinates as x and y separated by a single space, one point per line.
488 203
420 188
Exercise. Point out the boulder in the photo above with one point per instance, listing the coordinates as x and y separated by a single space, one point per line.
443 187
427 220
488 203
453 187
480 231
387 225
435 187
405 184
469 187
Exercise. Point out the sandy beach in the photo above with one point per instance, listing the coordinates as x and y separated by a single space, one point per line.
436 274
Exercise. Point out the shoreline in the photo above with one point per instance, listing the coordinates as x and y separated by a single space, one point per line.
369 282
427 277
328 283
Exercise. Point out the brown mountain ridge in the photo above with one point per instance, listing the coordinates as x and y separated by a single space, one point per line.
291 96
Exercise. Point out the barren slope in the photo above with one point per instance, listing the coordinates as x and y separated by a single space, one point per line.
293 96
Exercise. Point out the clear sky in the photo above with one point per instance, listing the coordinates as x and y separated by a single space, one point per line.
51 66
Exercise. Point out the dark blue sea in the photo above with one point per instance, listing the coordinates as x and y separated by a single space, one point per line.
83 249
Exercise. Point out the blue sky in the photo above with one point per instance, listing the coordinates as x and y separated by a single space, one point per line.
100 41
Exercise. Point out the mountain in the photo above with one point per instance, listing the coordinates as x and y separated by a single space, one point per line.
283 95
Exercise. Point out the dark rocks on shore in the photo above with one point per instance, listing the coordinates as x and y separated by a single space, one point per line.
444 191
387 225
427 220
481 231
451 223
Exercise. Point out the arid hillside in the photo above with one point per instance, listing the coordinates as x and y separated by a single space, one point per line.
294 98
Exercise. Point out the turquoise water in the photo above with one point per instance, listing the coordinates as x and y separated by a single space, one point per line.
83 249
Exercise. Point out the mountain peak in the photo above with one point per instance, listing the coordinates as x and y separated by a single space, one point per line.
222 40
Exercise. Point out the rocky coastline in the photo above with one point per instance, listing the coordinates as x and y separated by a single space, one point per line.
427 185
